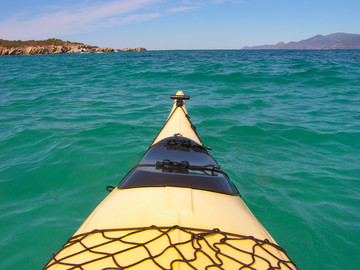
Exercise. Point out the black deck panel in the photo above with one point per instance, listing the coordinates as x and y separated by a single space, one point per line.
178 149
196 155
149 177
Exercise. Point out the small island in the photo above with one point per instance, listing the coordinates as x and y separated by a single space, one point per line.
54 46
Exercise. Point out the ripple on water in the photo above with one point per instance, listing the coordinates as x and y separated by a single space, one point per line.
283 124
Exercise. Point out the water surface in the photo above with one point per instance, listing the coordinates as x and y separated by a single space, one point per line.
285 126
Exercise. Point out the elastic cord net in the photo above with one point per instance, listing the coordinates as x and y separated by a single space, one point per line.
168 248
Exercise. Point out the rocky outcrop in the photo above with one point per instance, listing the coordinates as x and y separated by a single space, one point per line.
140 49
31 50
53 46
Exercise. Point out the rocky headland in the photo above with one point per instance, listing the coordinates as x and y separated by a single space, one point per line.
53 46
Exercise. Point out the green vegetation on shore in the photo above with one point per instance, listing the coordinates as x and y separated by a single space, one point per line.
36 43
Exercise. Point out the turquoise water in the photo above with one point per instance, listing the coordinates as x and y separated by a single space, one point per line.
285 126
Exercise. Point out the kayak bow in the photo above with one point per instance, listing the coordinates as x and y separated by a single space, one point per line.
176 209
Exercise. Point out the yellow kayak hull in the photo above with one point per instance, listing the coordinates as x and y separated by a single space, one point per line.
171 227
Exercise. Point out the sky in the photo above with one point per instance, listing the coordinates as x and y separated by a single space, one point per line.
177 24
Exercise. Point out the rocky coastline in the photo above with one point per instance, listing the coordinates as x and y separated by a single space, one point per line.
54 46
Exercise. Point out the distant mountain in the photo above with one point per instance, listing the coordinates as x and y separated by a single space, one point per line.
330 42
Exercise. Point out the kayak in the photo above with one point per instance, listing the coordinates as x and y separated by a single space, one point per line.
176 209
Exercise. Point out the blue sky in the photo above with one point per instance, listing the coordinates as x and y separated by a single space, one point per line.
159 24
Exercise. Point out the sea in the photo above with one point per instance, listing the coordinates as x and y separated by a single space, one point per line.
284 125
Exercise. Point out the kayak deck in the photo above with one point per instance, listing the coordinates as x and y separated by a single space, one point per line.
168 248
176 209
179 162
169 206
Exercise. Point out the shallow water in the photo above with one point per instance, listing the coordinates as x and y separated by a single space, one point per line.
285 126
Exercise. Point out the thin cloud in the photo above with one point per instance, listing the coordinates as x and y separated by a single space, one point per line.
88 16
217 2
77 18
133 18
182 9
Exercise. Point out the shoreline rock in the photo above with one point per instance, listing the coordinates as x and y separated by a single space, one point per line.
54 46
140 49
